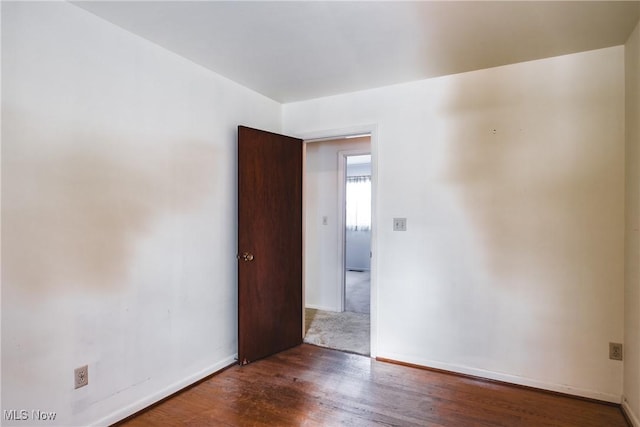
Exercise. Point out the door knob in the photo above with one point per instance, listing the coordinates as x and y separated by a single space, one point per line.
245 256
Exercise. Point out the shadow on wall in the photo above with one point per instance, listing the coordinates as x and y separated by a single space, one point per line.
73 206
523 239
536 169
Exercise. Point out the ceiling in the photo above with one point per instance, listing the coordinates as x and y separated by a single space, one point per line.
297 50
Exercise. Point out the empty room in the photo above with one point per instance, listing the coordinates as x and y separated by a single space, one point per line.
161 240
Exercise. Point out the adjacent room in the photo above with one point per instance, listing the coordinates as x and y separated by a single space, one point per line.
504 175
338 187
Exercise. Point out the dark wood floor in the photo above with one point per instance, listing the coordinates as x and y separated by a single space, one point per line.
313 386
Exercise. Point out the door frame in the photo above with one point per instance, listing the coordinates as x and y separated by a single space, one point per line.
329 134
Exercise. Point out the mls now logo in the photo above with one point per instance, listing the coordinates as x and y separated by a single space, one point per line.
23 415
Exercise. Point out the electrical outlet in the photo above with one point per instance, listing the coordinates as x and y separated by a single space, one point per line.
81 376
399 224
615 351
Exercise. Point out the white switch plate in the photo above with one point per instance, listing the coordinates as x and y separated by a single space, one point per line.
399 224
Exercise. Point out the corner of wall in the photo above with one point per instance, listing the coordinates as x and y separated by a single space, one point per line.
629 414
631 385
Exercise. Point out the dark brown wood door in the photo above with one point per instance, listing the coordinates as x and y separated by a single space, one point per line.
269 243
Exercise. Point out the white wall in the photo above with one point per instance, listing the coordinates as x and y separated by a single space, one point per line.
632 249
322 257
512 183
118 215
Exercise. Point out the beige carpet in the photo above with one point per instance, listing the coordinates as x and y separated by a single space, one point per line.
346 331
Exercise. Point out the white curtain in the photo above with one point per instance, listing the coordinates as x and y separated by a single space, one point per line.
358 196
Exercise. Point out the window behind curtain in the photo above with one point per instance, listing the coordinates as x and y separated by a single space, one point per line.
358 196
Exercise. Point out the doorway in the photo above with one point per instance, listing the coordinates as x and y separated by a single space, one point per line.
357 235
337 300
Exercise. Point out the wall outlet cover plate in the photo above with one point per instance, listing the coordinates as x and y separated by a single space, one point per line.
81 376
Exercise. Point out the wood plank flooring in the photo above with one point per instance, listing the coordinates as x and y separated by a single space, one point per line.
313 386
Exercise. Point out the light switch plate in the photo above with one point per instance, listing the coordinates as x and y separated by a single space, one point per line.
399 224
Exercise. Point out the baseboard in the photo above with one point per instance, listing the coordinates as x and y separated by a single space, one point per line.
147 401
628 412
507 378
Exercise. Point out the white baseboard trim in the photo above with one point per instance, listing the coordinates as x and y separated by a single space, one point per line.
507 378
145 402
631 416
320 307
